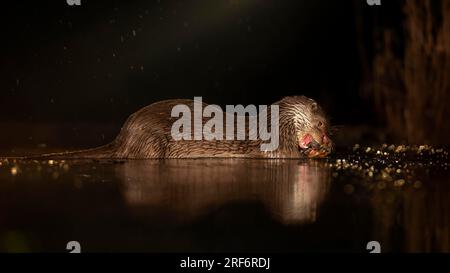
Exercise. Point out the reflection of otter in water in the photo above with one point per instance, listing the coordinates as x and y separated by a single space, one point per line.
291 191
303 131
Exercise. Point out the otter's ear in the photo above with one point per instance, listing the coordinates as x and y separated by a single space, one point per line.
314 106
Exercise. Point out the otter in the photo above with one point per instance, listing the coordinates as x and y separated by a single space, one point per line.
303 132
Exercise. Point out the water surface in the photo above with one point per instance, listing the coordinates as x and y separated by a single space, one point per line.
239 205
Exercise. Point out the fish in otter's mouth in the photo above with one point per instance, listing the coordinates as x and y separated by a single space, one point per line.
311 148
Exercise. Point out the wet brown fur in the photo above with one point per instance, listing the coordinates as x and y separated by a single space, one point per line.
147 134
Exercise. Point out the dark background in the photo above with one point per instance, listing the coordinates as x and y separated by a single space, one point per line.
103 60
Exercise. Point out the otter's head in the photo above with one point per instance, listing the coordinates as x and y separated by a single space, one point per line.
304 126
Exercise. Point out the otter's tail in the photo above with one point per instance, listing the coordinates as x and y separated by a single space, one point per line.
102 152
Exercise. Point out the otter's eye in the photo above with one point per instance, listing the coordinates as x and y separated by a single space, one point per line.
320 124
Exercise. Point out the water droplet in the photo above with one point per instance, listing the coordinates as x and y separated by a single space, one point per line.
399 183
14 171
